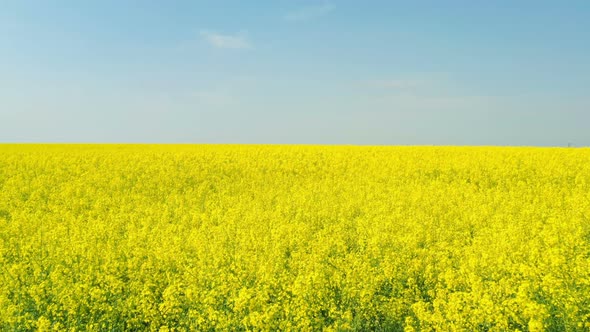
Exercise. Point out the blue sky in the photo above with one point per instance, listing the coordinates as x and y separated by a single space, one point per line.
313 72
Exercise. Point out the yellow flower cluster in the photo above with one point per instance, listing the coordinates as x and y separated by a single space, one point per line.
230 237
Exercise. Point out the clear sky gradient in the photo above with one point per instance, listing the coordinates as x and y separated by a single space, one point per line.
319 72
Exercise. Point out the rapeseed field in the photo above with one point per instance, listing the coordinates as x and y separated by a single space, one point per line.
293 238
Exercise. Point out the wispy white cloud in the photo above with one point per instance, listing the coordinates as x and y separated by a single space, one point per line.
419 82
308 13
398 84
433 103
238 41
215 98
421 92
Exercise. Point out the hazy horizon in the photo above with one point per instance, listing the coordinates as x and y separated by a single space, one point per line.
308 72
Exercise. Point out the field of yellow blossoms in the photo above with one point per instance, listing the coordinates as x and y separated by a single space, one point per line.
253 237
